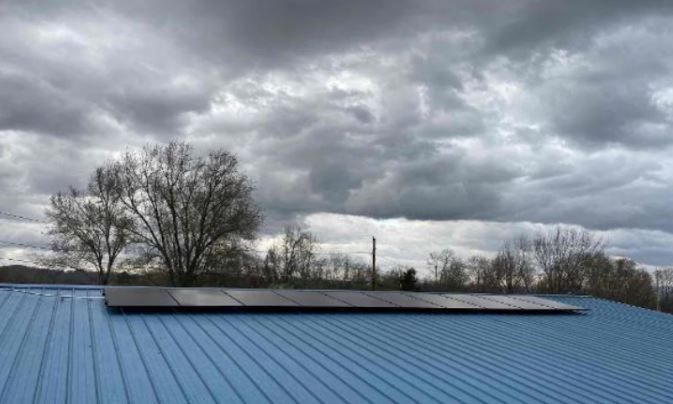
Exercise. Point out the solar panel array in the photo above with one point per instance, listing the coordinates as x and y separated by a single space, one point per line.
324 300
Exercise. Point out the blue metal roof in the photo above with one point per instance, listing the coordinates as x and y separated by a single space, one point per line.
56 348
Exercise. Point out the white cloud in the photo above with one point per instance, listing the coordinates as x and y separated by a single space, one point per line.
452 119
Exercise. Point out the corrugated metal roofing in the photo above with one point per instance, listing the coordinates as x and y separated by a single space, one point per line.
54 348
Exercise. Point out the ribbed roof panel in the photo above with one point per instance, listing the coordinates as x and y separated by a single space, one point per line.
63 345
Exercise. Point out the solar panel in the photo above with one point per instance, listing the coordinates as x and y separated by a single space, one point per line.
447 302
359 299
325 300
202 297
410 301
306 298
482 302
546 302
138 297
522 304
260 298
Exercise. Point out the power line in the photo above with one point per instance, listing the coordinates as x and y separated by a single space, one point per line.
43 248
324 252
21 217
30 262
39 264
24 245
320 253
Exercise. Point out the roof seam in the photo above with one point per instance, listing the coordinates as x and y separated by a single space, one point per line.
526 351
141 356
252 357
464 363
623 370
68 374
278 363
7 325
322 352
115 343
427 363
304 367
163 357
491 354
45 349
238 365
19 352
347 370
373 363
210 359
175 341
96 365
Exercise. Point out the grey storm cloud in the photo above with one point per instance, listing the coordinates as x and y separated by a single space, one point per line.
518 111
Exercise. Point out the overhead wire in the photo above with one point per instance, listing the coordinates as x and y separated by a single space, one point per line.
26 245
39 264
323 252
21 217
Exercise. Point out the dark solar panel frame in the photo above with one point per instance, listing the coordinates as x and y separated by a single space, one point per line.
407 301
314 299
360 300
447 302
483 302
203 297
553 305
261 298
522 304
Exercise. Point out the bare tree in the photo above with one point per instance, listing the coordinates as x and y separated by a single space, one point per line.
480 271
187 209
437 261
90 227
563 256
664 288
621 280
294 257
348 270
600 278
512 267
636 286
450 270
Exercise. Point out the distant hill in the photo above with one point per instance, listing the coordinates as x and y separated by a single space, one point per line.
26 274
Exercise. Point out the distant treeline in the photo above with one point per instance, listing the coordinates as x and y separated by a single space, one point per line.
562 261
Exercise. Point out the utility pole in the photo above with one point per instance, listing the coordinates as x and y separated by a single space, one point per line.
657 276
373 263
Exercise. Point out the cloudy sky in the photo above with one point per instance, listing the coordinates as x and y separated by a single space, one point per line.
429 124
